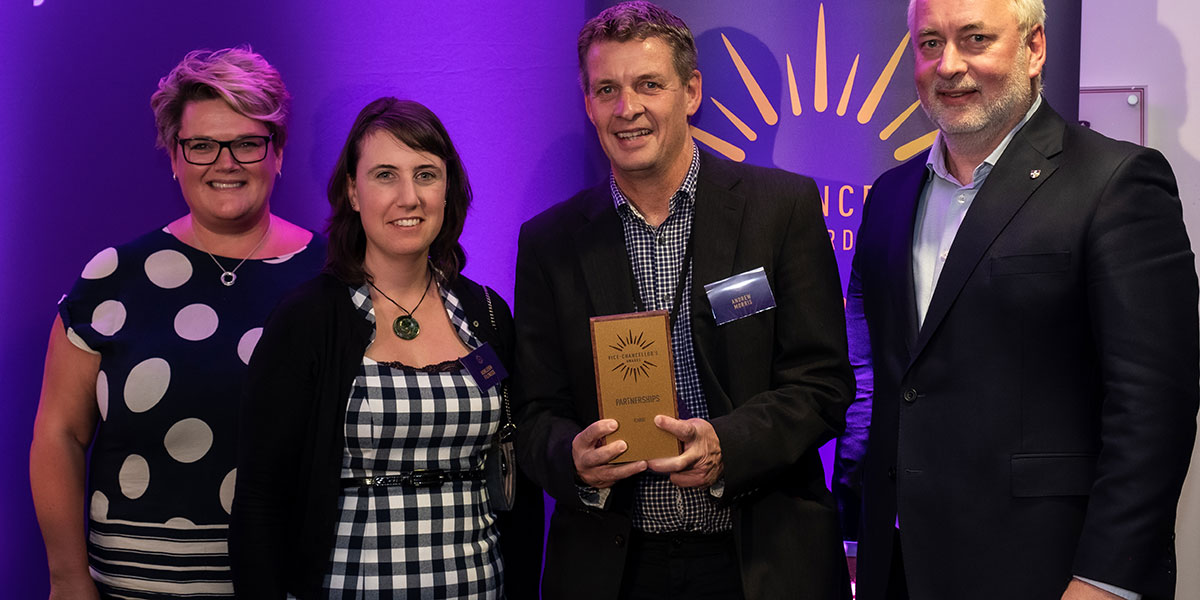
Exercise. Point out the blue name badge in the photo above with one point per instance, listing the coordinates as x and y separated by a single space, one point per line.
484 366
740 296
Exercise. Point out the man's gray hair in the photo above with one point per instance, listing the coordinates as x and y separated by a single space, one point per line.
1029 13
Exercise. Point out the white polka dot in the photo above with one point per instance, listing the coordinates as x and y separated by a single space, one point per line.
195 322
180 523
78 341
146 384
134 477
109 317
102 394
284 258
247 343
226 492
99 506
102 264
188 440
168 269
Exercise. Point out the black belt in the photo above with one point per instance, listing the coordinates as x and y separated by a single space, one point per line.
421 478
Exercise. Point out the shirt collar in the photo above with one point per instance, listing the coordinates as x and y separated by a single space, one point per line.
937 155
686 194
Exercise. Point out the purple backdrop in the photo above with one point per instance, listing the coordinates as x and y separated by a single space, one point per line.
83 173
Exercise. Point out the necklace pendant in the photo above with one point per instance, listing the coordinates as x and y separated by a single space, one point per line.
228 277
406 327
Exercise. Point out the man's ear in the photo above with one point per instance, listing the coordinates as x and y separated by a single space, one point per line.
695 92
1036 44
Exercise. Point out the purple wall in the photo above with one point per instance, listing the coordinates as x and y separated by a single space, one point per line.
81 171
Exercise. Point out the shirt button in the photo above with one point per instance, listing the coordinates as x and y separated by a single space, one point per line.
660 240
961 198
944 255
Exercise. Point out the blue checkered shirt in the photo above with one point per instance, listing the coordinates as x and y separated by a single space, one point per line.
657 256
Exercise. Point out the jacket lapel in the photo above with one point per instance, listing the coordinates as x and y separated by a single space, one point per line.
716 226
1029 160
600 244
716 230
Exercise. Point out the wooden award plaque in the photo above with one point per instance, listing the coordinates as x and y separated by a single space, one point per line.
635 380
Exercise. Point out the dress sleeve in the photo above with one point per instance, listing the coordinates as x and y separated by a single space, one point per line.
92 311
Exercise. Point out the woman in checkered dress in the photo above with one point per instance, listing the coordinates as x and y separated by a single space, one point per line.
361 464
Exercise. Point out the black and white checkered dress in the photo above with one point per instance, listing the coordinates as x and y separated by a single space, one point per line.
404 542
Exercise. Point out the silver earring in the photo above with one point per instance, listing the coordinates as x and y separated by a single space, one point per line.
174 177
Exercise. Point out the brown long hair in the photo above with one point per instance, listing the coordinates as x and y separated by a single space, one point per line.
418 128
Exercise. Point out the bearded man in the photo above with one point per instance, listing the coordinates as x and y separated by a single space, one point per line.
1030 297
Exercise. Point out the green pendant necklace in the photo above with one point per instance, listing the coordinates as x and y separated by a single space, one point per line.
405 326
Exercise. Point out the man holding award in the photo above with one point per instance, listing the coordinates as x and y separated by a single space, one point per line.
681 343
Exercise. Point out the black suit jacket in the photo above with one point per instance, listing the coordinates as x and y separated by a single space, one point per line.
1039 424
777 383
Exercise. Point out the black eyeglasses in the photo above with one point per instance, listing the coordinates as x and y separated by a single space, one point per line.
245 150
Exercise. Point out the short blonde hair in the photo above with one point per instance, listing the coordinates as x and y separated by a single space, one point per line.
239 76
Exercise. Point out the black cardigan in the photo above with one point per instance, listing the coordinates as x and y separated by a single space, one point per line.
292 439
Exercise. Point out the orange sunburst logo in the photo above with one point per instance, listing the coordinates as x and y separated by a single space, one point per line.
634 362
769 114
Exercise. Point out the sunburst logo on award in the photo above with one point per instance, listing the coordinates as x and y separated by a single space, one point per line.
819 102
633 356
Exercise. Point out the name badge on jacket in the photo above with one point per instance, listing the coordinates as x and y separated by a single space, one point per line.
484 366
740 296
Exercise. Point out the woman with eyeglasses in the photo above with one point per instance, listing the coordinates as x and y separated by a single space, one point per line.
148 354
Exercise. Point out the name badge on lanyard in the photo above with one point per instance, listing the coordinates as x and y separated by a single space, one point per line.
484 366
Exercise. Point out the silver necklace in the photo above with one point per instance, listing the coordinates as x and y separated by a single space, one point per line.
229 276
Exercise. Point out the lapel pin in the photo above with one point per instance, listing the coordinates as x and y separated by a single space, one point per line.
1034 174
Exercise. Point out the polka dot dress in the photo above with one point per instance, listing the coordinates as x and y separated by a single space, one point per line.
174 343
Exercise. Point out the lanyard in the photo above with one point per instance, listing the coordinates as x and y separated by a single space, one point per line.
680 283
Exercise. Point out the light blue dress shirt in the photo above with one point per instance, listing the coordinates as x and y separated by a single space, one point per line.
940 211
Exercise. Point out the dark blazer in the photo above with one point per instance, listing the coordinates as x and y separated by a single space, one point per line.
286 504
777 383
1039 424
